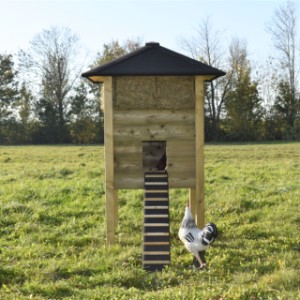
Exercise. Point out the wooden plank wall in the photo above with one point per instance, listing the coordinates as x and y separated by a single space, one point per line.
132 127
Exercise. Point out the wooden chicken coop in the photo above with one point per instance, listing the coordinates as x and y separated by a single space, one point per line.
153 101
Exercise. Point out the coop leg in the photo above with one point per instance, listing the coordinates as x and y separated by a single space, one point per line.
199 119
197 207
111 215
192 202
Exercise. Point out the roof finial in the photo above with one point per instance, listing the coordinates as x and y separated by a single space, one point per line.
152 44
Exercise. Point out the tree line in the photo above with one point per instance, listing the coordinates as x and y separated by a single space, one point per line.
43 100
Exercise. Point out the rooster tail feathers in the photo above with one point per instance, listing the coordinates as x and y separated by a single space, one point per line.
211 227
210 233
188 219
188 213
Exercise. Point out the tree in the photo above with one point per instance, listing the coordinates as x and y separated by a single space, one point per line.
24 102
8 94
206 47
48 127
52 63
283 32
243 104
286 107
86 118
8 86
85 114
114 50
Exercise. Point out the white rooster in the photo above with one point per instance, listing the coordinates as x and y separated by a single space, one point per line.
194 239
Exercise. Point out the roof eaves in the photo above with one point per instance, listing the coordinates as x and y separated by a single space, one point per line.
114 62
192 62
103 70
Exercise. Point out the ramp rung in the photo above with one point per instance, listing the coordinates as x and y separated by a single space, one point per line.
156 252
156 216
156 234
156 199
157 262
148 175
156 224
156 207
156 183
157 191
156 245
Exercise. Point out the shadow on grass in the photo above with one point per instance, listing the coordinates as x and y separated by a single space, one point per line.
10 276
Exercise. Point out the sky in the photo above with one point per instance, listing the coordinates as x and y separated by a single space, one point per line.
168 22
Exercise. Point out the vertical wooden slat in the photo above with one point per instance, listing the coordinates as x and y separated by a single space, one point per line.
199 126
110 192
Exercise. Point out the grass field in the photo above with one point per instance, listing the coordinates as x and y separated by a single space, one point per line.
52 233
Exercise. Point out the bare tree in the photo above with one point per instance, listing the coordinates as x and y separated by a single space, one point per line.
282 29
243 104
52 65
206 47
283 32
238 59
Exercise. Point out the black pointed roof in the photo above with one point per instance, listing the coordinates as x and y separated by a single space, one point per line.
152 60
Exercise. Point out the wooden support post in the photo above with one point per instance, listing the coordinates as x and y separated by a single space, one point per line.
199 128
192 202
110 192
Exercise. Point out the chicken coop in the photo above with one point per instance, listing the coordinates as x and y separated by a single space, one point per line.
153 102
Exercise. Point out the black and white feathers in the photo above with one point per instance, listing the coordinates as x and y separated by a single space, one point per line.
194 239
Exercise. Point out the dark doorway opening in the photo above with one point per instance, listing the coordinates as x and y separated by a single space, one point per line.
154 155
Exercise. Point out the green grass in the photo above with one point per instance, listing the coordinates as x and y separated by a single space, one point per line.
52 232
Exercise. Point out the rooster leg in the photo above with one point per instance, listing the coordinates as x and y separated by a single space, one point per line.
196 261
202 263
202 256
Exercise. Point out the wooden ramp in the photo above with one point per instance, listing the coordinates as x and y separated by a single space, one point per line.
156 243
